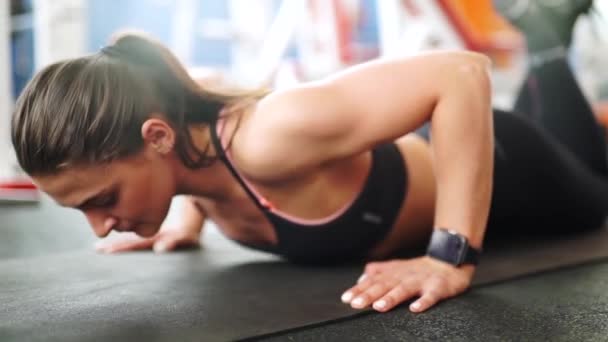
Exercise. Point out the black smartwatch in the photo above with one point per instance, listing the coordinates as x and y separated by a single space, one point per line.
451 247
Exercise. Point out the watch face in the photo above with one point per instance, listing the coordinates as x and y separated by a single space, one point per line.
447 246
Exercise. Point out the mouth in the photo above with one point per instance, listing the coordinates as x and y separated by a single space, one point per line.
123 230
124 226
140 228
146 230
119 229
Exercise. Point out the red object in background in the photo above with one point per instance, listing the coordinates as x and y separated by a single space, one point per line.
411 7
345 27
601 111
18 191
483 29
17 185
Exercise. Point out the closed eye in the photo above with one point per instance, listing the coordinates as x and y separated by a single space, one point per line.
99 202
104 201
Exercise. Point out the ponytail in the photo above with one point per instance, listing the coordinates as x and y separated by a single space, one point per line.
90 109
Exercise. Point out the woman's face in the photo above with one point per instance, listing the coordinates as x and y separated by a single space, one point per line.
133 194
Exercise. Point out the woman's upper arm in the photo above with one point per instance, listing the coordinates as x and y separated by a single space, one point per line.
367 104
384 100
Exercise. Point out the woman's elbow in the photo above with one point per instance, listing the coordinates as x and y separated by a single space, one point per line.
473 76
475 61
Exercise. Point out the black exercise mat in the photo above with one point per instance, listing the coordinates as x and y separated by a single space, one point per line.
570 304
220 293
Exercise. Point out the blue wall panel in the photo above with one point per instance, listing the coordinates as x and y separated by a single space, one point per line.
156 18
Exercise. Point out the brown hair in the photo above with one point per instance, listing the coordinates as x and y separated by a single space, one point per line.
90 109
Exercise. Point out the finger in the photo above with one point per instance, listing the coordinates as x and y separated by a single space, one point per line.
165 245
375 291
354 291
427 300
169 242
397 295
372 268
114 238
362 278
125 245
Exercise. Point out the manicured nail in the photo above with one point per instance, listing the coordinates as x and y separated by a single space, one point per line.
160 247
358 302
362 278
379 305
415 306
346 297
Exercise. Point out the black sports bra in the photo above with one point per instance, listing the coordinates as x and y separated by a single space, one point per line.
348 235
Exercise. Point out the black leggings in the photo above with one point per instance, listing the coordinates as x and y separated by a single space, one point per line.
551 168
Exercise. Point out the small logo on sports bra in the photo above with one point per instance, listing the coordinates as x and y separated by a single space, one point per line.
371 218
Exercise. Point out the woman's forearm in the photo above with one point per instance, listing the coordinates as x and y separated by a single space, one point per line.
463 151
185 213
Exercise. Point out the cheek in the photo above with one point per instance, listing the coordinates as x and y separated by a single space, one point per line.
147 196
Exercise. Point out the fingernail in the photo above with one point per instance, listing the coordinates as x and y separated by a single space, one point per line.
415 306
379 305
362 278
99 245
358 302
160 247
346 297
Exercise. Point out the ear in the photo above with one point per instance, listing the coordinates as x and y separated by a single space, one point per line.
158 135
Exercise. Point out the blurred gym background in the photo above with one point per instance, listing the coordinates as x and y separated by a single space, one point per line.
247 43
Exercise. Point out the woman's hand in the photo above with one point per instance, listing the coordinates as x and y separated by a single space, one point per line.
387 284
168 238
181 228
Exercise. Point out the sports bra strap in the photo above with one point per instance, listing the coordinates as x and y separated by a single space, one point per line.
219 148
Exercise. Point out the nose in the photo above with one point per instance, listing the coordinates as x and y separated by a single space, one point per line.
101 223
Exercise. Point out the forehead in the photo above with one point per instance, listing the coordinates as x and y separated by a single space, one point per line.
76 183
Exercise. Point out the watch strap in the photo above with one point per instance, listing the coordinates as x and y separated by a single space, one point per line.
472 256
451 247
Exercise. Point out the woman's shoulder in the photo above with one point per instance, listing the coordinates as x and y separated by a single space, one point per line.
278 136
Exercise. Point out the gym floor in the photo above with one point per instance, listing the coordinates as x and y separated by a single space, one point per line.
55 288
565 305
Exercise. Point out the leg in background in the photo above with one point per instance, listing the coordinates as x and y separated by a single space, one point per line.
552 98
539 186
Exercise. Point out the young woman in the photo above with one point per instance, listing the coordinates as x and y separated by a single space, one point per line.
324 172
